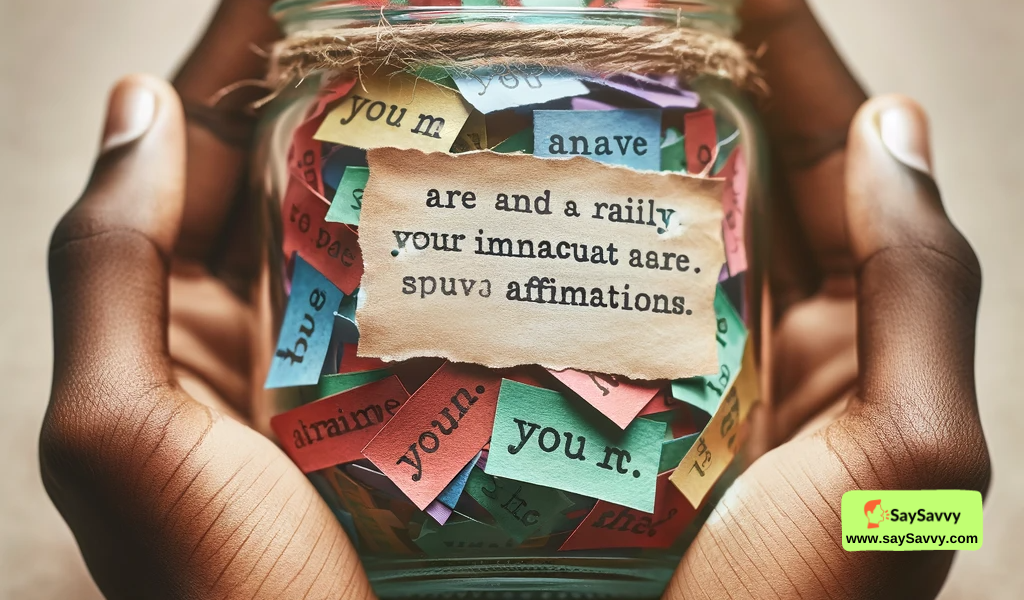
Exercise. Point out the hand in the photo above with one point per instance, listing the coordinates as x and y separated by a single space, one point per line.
875 295
144 449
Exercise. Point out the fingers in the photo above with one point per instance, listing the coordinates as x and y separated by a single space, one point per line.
919 279
109 254
813 100
217 150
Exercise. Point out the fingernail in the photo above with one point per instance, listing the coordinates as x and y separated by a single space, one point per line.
905 134
130 114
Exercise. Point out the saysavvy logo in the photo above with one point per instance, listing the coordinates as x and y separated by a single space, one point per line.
914 520
875 513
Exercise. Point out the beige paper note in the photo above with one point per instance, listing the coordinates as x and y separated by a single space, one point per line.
503 260
714 450
397 110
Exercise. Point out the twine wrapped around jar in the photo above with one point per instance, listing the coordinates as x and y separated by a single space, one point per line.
605 49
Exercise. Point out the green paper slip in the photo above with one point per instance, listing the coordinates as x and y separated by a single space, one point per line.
673 151
464 535
348 200
673 451
706 392
523 510
542 437
517 142
330 385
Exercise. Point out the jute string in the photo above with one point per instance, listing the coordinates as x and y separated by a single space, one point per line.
601 49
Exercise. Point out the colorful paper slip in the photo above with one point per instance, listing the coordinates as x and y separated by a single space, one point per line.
653 91
439 512
332 248
495 89
305 155
521 509
706 392
734 203
705 462
451 493
673 451
348 200
442 426
660 403
618 137
612 526
619 400
396 110
540 437
305 330
518 142
334 430
330 385
701 141
351 362
331 91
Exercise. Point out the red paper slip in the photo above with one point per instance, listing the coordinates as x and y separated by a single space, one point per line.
350 363
442 426
701 141
334 430
659 404
618 400
612 526
331 248
305 155
329 93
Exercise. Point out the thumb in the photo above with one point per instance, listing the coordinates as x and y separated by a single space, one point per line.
918 279
109 254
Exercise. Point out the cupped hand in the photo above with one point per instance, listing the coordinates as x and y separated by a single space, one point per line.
874 301
145 448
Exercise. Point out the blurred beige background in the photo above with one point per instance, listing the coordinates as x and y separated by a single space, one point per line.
57 60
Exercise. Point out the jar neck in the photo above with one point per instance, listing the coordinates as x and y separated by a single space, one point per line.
718 16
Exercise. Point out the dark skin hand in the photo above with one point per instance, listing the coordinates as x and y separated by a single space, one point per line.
150 450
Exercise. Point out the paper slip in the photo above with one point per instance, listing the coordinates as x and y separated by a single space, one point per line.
619 400
305 329
653 91
334 430
528 256
330 91
442 426
660 403
330 385
715 448
673 152
473 135
439 512
348 200
521 509
673 451
451 493
305 156
618 137
397 111
734 203
701 141
612 526
351 363
706 393
331 248
540 437
495 89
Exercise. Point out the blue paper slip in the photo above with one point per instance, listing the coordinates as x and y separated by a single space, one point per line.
490 90
306 329
618 137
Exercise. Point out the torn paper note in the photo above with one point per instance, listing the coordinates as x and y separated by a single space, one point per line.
530 253
305 329
706 392
705 462
334 430
617 137
612 526
396 110
499 88
540 437
701 140
734 203
523 510
442 426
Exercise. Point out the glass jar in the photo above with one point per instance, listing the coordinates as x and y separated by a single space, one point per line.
460 546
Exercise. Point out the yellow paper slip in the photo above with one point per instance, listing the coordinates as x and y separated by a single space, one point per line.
714 450
398 111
